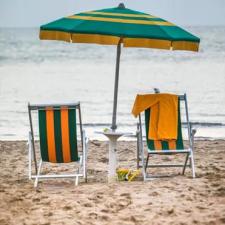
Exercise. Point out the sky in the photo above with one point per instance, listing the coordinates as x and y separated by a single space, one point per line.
33 13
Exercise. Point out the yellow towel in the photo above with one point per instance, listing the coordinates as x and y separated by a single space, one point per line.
164 114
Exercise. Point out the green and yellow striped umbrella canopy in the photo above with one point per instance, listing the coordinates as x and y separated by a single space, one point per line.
113 25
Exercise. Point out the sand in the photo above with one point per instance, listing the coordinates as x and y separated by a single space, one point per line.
176 200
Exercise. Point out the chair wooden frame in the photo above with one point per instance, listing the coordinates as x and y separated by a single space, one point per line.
32 159
189 151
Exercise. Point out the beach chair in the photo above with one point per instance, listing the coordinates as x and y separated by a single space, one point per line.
143 158
58 140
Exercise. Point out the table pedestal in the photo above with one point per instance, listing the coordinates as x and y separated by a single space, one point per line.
112 136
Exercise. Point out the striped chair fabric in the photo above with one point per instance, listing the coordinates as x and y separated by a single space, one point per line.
58 134
164 145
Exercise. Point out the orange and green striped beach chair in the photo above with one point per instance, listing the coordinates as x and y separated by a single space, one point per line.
58 140
165 147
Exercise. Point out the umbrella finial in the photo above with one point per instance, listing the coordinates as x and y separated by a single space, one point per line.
121 6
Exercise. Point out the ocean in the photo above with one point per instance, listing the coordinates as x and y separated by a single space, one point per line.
51 72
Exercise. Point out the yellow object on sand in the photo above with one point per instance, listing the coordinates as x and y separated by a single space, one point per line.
164 114
125 174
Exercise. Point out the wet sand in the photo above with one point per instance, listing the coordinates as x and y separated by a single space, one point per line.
176 200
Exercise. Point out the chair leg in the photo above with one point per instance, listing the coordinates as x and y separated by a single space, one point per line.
185 164
85 174
83 168
146 165
77 180
29 160
138 154
84 159
143 161
192 165
37 176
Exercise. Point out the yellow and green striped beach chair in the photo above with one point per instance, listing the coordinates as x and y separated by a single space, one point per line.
165 147
58 140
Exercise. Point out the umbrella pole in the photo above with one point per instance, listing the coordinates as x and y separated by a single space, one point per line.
114 126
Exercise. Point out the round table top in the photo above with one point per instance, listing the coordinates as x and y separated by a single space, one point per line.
110 133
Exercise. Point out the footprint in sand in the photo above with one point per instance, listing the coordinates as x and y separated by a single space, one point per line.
118 204
222 220
49 214
99 195
104 218
97 198
93 215
105 210
125 195
87 204
16 200
220 192
215 184
187 211
103 160
123 203
170 211
67 207
155 193
36 200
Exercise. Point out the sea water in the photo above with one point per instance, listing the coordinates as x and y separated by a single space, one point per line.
56 72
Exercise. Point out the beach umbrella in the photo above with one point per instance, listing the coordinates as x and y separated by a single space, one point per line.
119 26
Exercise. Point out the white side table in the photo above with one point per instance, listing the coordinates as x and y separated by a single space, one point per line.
113 136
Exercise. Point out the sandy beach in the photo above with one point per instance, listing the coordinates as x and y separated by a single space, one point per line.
176 200
96 58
